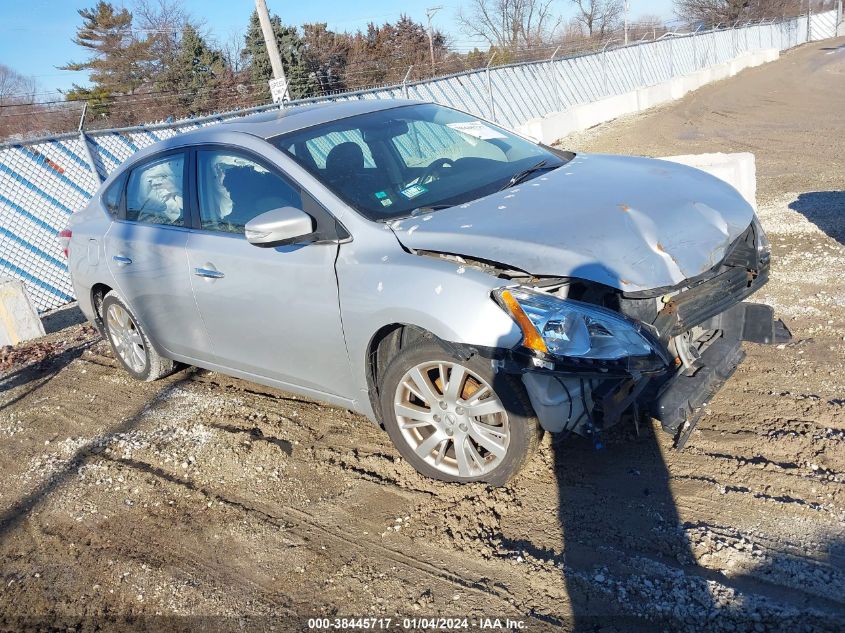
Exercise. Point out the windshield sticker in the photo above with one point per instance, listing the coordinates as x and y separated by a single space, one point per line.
386 202
476 129
413 191
380 195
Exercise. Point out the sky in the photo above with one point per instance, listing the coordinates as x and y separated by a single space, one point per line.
35 35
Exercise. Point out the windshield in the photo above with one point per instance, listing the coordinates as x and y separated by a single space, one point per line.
391 163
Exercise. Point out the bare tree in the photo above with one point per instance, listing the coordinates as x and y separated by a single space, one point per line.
598 17
509 25
161 23
232 47
728 11
648 26
15 87
23 114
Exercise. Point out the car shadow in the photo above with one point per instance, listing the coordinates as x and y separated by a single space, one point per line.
626 554
62 318
615 505
628 563
825 209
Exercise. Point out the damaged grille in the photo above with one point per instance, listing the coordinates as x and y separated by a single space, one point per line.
713 297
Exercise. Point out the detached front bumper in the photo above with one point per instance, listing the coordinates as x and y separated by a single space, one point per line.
589 399
678 402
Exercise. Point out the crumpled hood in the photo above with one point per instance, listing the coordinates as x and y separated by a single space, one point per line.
630 223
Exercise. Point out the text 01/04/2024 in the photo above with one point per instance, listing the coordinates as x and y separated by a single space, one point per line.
415 623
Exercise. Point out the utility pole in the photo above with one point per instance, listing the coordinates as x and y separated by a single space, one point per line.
626 22
430 12
809 27
279 84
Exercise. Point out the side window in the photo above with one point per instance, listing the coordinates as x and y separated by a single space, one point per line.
321 146
154 194
112 195
234 189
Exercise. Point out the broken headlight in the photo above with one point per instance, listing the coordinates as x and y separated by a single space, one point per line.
564 327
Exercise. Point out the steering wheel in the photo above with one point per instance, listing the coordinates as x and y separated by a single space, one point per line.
434 168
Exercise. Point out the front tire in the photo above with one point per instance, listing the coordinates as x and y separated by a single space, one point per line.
129 342
457 420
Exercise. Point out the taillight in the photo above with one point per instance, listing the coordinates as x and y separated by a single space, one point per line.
64 240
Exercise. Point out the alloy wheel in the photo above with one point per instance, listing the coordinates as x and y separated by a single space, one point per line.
452 418
126 338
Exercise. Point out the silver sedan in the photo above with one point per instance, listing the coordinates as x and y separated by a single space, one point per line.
460 285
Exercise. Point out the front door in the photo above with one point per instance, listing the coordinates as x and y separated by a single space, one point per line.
270 312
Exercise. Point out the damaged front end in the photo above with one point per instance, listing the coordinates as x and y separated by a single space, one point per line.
592 355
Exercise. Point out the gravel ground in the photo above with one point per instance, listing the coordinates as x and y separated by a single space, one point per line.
207 503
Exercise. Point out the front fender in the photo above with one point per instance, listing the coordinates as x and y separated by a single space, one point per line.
380 284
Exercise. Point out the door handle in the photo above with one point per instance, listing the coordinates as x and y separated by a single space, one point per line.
209 274
121 260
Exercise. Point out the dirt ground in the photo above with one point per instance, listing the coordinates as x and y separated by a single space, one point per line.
202 502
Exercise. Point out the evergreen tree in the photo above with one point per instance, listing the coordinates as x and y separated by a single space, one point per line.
301 83
119 62
326 54
383 53
193 76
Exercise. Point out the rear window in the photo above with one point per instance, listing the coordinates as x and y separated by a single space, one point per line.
154 193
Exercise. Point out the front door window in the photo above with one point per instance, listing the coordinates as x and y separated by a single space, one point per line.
234 189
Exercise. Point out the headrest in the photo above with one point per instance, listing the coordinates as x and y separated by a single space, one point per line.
345 158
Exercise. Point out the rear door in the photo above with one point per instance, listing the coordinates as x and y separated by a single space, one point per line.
270 312
145 252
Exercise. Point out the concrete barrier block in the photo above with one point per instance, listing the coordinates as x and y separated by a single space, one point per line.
560 125
757 59
676 87
771 54
606 109
741 62
533 128
720 71
655 95
695 80
551 127
706 76
19 319
735 67
737 169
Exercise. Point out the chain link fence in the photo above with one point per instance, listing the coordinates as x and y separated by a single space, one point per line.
44 180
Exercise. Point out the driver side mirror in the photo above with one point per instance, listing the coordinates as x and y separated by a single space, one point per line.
277 227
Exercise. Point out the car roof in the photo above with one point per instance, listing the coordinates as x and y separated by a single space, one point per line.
268 124
275 122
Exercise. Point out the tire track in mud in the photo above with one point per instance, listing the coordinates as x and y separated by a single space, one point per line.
428 566
375 466
346 533
182 561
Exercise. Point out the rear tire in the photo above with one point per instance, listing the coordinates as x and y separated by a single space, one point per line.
129 342
457 420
